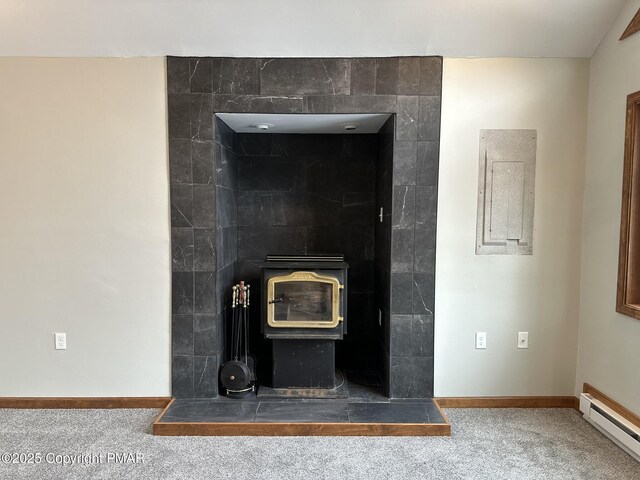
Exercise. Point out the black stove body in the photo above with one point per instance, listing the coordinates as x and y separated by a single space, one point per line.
304 309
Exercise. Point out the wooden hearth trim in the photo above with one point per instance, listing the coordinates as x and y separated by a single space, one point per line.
301 429
612 404
508 402
440 409
84 402
164 410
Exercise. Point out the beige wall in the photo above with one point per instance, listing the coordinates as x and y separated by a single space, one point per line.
85 238
609 343
85 227
502 295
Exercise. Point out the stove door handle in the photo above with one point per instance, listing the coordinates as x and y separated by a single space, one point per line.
341 309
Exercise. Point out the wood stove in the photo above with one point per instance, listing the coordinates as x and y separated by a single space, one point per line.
303 314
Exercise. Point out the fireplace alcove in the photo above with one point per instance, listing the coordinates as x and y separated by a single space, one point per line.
223 225
295 193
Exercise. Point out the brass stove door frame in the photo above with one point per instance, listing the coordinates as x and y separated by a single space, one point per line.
304 277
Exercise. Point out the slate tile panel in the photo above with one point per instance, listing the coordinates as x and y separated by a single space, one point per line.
309 203
305 76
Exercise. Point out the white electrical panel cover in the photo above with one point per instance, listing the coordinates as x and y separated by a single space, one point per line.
506 187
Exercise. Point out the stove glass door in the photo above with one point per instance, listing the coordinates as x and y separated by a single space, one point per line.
303 300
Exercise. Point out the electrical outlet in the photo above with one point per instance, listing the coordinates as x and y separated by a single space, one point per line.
60 341
523 339
481 340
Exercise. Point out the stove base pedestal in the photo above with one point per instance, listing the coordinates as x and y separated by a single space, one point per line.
304 364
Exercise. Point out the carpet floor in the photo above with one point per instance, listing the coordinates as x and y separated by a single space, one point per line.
485 443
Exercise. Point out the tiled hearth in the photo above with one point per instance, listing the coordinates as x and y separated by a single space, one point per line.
367 411
210 200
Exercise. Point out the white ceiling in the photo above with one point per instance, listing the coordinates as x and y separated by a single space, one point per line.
307 123
299 28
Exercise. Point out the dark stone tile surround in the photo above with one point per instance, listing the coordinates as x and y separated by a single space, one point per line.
409 87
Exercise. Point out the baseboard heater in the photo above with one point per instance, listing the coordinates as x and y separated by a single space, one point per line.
620 430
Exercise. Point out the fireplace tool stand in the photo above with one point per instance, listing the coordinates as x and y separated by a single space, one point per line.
236 375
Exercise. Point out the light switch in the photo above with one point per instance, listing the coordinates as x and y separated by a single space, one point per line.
523 339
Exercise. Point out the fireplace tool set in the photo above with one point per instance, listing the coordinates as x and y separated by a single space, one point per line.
237 375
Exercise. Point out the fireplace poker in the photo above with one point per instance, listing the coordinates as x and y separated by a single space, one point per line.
246 324
242 300
234 311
